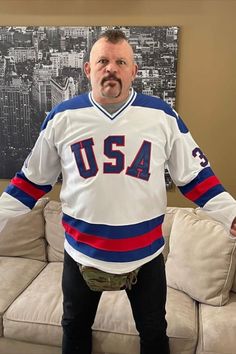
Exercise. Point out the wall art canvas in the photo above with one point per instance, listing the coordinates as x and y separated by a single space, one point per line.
42 66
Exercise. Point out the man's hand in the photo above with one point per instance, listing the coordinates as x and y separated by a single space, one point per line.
233 228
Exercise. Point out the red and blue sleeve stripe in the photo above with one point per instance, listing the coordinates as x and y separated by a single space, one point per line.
25 191
203 187
114 243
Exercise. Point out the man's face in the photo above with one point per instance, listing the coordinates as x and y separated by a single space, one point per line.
111 70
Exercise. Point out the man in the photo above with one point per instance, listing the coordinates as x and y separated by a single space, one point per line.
111 146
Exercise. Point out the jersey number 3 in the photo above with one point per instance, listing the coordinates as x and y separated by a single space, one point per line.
87 165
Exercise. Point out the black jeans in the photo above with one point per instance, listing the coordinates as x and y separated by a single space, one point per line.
147 298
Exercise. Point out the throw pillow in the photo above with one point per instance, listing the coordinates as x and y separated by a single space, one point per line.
23 236
201 261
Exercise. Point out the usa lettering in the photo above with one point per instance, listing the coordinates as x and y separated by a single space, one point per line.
87 165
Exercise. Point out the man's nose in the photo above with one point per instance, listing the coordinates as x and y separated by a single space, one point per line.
111 67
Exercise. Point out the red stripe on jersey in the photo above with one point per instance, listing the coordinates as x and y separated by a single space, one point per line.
202 188
27 188
127 244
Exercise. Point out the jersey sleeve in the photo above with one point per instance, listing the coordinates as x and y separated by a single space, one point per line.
192 173
39 173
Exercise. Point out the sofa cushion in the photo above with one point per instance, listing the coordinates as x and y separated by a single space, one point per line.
114 328
201 251
182 319
35 315
217 328
54 231
23 236
16 274
115 331
40 321
10 346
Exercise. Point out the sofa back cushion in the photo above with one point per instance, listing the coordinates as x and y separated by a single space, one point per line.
54 231
167 225
23 236
201 261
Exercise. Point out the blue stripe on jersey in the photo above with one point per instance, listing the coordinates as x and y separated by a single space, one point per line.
110 256
203 187
202 175
81 101
157 103
45 187
213 192
23 197
27 192
113 232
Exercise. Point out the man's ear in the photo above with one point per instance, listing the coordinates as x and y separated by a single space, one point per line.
135 70
87 69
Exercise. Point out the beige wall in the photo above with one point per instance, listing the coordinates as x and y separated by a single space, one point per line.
206 91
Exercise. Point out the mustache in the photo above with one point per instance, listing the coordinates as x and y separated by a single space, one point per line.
110 77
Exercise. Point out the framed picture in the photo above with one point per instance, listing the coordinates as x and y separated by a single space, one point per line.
42 66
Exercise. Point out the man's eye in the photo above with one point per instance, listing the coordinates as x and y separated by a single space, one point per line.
102 61
121 62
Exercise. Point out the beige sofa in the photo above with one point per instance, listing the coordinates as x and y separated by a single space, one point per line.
201 304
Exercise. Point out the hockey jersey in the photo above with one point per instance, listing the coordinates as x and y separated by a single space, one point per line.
113 189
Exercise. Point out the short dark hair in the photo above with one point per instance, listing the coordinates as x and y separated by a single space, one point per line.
113 35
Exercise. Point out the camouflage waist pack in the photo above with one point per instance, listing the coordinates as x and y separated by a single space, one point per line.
97 280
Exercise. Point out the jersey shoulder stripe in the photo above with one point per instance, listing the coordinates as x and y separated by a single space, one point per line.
157 103
77 102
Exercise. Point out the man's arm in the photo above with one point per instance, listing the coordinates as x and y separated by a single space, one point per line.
37 177
192 173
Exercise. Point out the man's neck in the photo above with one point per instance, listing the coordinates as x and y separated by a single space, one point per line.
113 106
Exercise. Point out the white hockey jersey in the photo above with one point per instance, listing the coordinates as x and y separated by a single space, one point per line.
113 190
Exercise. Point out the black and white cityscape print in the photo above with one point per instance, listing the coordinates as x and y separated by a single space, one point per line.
42 66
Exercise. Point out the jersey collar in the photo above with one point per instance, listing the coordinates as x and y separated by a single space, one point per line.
120 110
